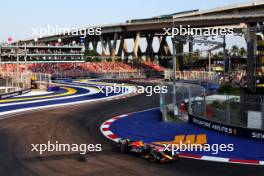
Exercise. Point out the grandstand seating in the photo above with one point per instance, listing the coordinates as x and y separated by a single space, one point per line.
53 68
151 66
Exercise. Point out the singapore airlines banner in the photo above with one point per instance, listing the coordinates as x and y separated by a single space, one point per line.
227 129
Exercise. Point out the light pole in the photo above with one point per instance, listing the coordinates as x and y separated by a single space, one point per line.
174 62
59 41
35 40
0 56
17 64
225 54
209 65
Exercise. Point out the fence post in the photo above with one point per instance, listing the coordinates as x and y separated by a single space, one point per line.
228 110
162 105
6 82
190 101
12 82
262 115
204 95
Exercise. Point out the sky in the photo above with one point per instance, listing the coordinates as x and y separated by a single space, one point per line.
18 17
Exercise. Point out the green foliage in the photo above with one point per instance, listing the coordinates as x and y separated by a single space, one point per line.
234 51
230 90
91 53
216 104
234 106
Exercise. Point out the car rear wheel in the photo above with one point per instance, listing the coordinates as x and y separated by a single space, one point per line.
153 157
121 148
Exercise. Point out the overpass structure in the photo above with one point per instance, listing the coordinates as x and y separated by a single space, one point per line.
240 16
113 40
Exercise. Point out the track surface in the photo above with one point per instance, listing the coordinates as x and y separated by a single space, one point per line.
80 124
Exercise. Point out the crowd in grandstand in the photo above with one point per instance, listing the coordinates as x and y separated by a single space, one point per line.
55 68
238 78
260 71
153 66
43 51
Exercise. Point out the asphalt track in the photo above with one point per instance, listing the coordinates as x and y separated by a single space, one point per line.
74 93
80 124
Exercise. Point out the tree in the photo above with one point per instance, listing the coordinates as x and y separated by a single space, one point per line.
185 58
215 56
196 55
91 53
220 54
242 52
234 51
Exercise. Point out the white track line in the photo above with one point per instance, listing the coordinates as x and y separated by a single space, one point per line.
125 95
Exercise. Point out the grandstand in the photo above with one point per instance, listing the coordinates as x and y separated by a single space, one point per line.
70 69
63 60
42 52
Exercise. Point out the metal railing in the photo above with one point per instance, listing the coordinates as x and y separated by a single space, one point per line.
244 110
192 75
12 81
105 75
230 110
184 94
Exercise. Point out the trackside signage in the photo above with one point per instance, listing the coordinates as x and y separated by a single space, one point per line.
227 129
13 94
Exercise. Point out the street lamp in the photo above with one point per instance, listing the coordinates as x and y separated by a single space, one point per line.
35 41
209 58
174 62
0 55
59 41
17 60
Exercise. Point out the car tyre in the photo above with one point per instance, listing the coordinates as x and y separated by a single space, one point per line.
153 157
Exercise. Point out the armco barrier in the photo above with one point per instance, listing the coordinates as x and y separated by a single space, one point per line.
227 129
210 86
12 94
53 88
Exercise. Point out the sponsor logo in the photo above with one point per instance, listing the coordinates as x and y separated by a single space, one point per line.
194 143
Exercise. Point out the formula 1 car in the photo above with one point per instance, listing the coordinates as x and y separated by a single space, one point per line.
148 151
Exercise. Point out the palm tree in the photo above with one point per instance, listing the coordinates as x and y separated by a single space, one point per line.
185 58
242 52
220 54
215 56
234 50
196 55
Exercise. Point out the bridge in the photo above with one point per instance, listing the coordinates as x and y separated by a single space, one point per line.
238 16
248 17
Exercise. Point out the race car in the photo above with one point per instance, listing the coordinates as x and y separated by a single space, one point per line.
148 151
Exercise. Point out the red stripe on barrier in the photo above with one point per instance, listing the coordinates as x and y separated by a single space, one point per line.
106 129
112 136
115 118
244 161
190 155
107 123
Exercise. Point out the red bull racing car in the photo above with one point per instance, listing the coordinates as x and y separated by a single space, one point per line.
148 151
